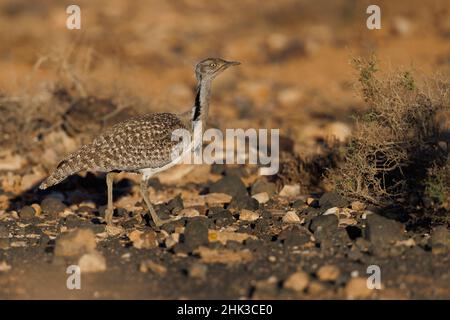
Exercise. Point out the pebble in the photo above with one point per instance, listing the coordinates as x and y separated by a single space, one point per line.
357 288
222 218
143 240
52 206
244 202
224 256
382 232
148 265
261 197
294 236
212 199
175 204
231 185
195 234
92 262
326 223
297 281
290 191
440 236
27 213
332 199
4 267
188 213
291 217
75 243
261 185
328 273
198 270
247 215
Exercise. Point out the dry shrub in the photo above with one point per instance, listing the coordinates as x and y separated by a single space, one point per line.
396 141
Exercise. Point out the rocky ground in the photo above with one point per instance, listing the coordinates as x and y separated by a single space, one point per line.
236 234
234 237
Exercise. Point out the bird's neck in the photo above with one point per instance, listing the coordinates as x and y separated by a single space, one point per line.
201 106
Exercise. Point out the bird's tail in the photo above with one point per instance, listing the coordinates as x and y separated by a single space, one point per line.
64 169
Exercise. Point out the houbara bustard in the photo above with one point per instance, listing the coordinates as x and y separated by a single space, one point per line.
143 144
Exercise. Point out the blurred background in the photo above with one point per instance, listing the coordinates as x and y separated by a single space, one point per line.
295 72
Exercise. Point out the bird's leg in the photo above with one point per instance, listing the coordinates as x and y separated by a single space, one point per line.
144 192
110 209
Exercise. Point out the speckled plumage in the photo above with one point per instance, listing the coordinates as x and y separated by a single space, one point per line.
135 144
142 144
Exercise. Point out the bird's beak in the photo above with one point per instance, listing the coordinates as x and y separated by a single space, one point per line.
232 63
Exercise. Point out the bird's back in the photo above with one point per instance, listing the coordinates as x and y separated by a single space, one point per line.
131 145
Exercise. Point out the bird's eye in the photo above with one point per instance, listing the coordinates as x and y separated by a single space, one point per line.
213 65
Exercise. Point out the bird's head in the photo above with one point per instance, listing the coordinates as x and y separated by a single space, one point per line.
211 67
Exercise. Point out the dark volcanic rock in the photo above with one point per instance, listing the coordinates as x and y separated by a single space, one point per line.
195 234
294 236
332 199
222 218
440 237
175 204
231 185
244 201
326 223
27 212
52 206
382 231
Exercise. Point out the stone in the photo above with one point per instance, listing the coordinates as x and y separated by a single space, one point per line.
92 262
328 273
4 267
225 236
27 213
291 217
231 185
247 215
143 240
262 197
37 209
290 191
154 267
294 236
261 185
75 243
52 206
198 271
175 204
195 234
223 256
383 232
222 218
357 288
188 213
326 223
297 281
212 199
332 199
440 236
244 202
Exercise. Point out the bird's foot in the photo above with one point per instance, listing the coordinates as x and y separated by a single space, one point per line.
160 222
